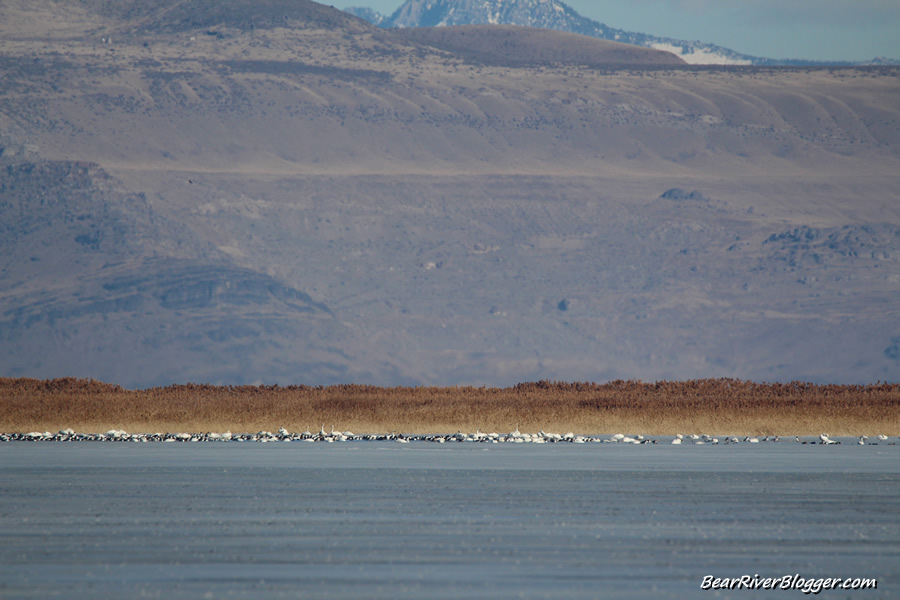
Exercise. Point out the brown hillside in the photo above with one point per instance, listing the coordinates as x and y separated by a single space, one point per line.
511 45
101 18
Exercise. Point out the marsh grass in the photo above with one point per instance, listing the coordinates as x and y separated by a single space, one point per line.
715 406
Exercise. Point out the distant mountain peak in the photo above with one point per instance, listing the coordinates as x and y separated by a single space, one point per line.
544 14
554 14
541 14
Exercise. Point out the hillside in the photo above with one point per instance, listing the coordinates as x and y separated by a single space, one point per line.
508 45
280 192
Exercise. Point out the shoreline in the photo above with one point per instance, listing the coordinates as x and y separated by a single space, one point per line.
725 406
516 437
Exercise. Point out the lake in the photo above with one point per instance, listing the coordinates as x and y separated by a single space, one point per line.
386 520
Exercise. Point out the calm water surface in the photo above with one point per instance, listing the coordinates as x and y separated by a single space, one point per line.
384 520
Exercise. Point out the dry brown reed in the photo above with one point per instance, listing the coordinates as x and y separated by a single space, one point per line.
714 406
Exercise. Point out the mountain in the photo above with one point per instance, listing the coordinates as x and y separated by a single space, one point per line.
552 14
544 14
372 16
277 191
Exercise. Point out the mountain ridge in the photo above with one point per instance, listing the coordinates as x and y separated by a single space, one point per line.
555 14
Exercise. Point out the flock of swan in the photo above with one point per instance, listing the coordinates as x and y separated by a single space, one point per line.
514 437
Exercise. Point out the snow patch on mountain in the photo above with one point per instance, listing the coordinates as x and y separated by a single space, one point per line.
699 55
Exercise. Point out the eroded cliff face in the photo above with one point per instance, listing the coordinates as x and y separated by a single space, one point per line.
294 196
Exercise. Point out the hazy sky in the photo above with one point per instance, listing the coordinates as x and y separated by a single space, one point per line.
809 29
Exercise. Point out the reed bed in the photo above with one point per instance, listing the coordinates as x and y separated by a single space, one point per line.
714 406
